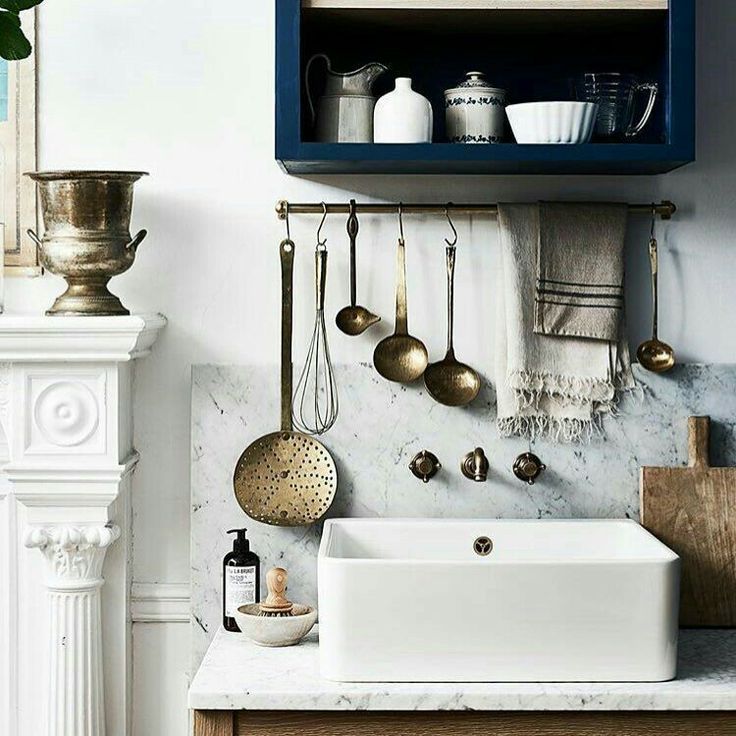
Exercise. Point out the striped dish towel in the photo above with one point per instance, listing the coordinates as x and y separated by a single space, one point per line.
556 387
580 270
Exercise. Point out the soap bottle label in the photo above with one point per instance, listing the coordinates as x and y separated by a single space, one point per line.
240 588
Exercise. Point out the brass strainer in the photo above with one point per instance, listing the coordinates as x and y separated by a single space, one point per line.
285 478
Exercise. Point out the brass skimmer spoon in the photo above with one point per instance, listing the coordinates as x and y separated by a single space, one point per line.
354 320
400 357
285 478
448 381
655 355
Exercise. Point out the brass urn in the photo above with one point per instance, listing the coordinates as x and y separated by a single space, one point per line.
86 217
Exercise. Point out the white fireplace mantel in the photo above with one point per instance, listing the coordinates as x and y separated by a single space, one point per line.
66 388
39 339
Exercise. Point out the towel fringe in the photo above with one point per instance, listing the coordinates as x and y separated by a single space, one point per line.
565 430
530 386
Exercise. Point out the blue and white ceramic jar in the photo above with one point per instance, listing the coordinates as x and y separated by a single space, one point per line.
474 111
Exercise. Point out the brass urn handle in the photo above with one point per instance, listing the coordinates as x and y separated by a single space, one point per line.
528 467
32 235
137 240
475 465
424 465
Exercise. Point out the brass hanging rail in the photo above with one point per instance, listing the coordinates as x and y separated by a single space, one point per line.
664 209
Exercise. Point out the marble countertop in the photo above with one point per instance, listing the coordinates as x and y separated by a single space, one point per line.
237 675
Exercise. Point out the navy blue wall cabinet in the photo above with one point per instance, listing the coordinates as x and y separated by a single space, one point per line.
529 47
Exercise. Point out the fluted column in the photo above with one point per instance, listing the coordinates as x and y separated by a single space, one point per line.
74 693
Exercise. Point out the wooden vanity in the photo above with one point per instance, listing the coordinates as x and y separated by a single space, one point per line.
402 723
244 690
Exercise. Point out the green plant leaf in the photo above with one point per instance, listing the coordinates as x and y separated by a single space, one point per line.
13 43
15 6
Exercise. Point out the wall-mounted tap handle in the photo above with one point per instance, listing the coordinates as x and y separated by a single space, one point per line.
528 467
475 465
424 465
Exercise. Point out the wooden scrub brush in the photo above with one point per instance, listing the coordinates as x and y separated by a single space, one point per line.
277 622
276 603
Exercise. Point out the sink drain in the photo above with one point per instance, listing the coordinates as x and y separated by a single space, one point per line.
483 546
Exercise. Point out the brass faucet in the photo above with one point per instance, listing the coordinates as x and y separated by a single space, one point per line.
475 465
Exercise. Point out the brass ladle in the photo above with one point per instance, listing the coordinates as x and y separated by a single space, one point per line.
354 319
655 355
400 357
448 381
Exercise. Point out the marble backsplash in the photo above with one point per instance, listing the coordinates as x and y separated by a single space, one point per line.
383 425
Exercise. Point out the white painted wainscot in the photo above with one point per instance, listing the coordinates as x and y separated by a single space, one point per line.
66 386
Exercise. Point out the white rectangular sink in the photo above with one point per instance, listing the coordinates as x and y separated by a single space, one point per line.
496 601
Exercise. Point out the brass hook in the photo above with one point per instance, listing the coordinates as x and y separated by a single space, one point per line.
322 243
401 220
286 217
449 220
654 221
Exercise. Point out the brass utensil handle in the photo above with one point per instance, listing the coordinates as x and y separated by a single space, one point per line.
654 264
320 262
353 227
286 250
402 322
450 257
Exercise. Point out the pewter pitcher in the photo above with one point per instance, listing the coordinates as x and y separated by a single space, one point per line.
344 112
86 217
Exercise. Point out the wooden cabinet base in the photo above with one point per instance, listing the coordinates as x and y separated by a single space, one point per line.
214 723
420 723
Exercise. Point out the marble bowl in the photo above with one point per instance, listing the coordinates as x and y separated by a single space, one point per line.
275 631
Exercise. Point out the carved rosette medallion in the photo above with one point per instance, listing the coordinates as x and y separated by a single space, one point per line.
66 413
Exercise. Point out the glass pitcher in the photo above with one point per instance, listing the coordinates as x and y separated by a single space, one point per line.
616 95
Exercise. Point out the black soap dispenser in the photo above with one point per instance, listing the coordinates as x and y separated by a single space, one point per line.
241 579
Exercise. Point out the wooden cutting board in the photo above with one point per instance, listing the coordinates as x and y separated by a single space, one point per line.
693 510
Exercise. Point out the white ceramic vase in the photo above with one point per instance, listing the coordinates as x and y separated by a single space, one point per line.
403 116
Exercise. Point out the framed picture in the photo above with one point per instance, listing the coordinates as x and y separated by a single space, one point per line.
17 155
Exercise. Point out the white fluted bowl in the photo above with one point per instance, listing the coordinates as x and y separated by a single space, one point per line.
552 122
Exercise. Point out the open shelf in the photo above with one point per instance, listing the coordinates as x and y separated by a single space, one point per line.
529 47
503 158
606 5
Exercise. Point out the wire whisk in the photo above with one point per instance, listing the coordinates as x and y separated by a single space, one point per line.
315 405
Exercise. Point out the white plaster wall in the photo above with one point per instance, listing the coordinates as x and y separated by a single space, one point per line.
184 89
